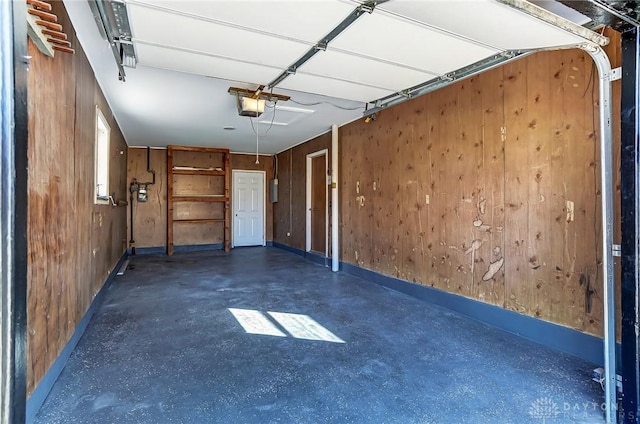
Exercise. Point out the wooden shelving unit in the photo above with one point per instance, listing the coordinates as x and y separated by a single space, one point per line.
185 165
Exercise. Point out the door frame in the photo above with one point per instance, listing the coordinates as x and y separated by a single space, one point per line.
14 62
234 203
630 225
310 158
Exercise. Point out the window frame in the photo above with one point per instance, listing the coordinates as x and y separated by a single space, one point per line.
98 158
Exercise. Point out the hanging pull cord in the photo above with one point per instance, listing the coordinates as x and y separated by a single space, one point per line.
257 140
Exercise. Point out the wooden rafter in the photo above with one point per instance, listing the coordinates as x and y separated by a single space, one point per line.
44 29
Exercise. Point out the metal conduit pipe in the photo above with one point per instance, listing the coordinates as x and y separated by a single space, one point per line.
149 170
131 240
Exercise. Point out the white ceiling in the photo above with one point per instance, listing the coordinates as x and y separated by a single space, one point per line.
191 52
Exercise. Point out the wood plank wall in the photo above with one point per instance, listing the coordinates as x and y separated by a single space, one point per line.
72 243
289 225
467 189
150 218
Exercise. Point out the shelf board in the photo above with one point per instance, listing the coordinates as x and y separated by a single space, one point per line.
198 221
213 172
200 198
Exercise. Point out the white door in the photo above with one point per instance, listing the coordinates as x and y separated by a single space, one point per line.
248 208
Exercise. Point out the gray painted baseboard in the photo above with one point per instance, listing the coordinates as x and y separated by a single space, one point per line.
558 337
159 250
39 395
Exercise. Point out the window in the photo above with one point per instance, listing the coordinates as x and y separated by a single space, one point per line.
102 159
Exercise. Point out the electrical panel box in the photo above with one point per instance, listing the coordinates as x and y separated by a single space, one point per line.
273 190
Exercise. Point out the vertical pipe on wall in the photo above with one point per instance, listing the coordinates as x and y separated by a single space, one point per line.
335 244
606 180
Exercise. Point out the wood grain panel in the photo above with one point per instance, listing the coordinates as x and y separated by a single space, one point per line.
581 240
197 185
198 210
197 234
539 269
407 201
446 197
475 206
467 189
72 243
282 208
197 159
318 204
491 183
150 218
292 180
516 170
387 234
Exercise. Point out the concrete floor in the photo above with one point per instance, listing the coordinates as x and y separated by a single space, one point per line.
164 348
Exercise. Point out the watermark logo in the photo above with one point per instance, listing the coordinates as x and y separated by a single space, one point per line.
544 409
547 410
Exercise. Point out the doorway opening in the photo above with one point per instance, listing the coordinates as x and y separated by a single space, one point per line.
317 232
248 208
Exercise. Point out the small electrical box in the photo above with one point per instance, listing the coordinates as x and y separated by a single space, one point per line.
273 190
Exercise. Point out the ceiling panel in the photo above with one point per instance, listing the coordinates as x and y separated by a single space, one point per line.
348 67
333 88
199 64
163 28
303 20
493 23
246 42
382 36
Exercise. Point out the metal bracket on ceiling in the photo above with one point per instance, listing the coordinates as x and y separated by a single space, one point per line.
322 44
448 77
612 12
113 24
367 7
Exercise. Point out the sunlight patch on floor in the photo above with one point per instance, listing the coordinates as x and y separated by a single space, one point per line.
296 325
254 322
304 327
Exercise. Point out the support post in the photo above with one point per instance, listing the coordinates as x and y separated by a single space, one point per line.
335 242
